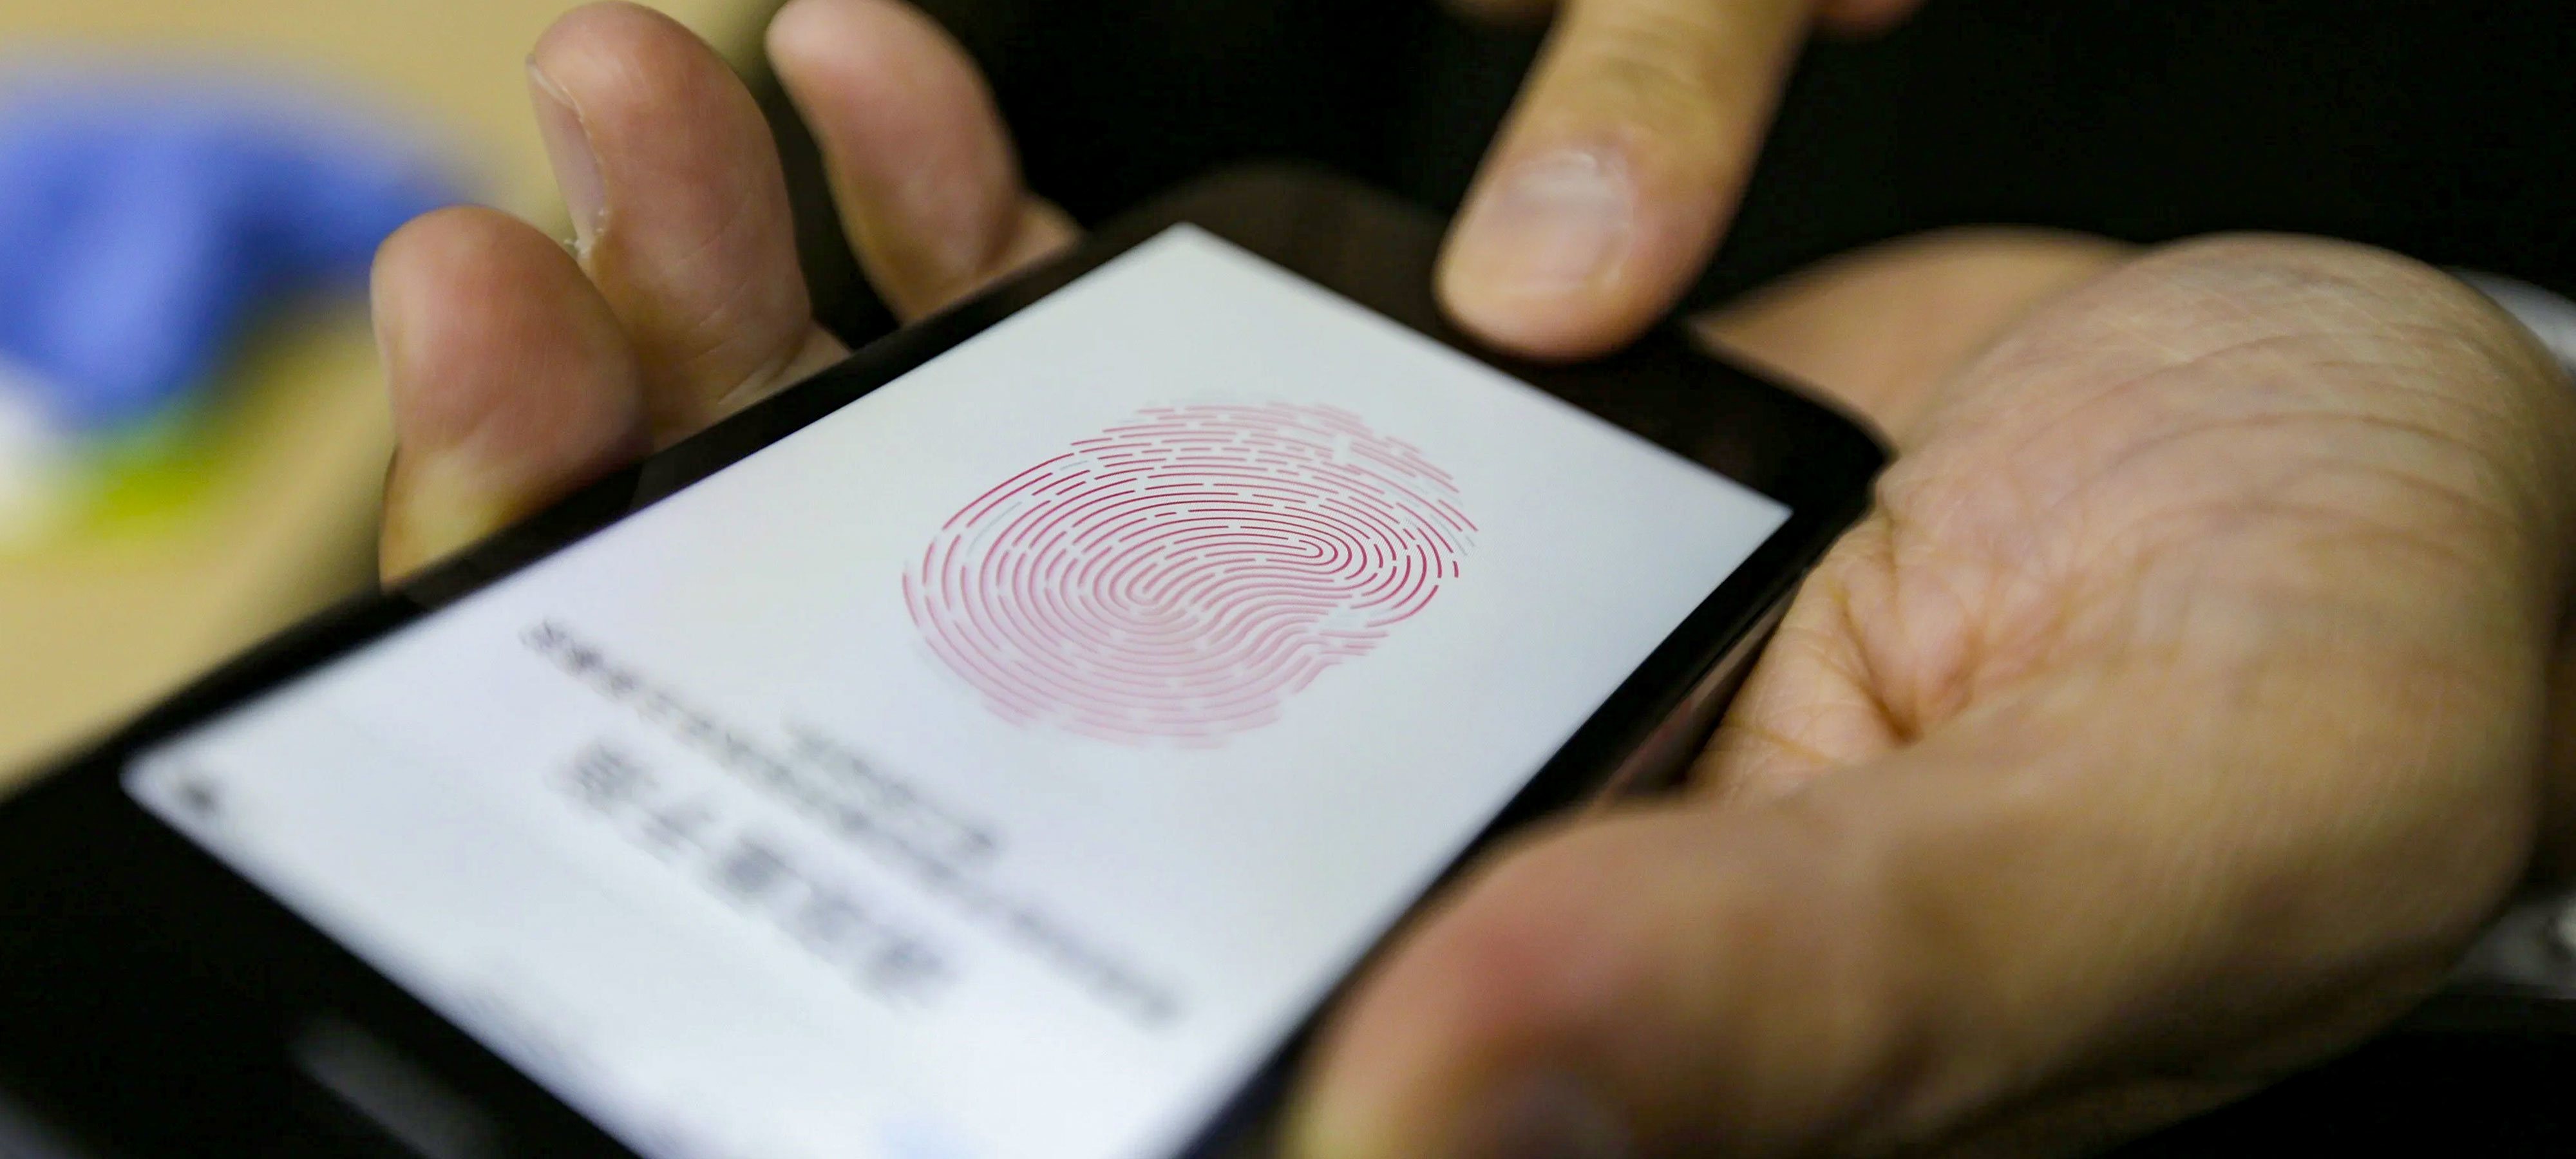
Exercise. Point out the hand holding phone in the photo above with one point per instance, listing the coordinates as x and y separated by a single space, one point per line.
1884 331
1939 804
1902 637
1000 743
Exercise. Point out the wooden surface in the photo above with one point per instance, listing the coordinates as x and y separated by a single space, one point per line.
282 522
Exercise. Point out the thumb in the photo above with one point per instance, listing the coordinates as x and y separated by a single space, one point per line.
1616 989
2024 912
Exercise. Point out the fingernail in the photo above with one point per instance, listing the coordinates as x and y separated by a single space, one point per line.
568 148
1550 225
1549 1115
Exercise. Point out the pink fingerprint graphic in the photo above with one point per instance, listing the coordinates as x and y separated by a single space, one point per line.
1178 577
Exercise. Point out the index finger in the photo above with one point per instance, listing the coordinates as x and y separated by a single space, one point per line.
1617 171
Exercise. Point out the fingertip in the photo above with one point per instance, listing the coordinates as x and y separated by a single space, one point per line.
922 167
886 66
698 255
677 134
508 377
1565 327
621 65
1616 171
466 296
608 34
1566 254
805 31
889 74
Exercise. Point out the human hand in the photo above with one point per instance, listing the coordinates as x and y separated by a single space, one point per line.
518 371
2199 686
2176 716
1615 175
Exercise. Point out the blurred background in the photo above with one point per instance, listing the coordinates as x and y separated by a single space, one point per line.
192 433
192 429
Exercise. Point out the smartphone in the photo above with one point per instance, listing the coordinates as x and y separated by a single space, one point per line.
1000 745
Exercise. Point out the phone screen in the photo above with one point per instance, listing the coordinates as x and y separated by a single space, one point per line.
1000 766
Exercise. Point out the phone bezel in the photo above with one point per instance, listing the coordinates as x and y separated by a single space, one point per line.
186 984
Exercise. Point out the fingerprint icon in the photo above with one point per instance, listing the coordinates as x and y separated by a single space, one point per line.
1179 576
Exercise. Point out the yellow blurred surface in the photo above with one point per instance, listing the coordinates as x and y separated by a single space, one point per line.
93 629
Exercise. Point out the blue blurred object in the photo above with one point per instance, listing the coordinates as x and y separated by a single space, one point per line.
142 224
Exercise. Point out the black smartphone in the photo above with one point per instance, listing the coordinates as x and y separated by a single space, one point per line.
1001 745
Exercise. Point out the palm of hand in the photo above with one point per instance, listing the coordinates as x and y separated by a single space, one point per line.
2171 722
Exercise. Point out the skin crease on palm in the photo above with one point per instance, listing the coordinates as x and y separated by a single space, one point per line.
2192 694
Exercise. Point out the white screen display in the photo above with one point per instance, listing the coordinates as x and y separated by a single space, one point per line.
1001 766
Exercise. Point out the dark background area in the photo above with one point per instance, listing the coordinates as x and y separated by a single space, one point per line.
2441 130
